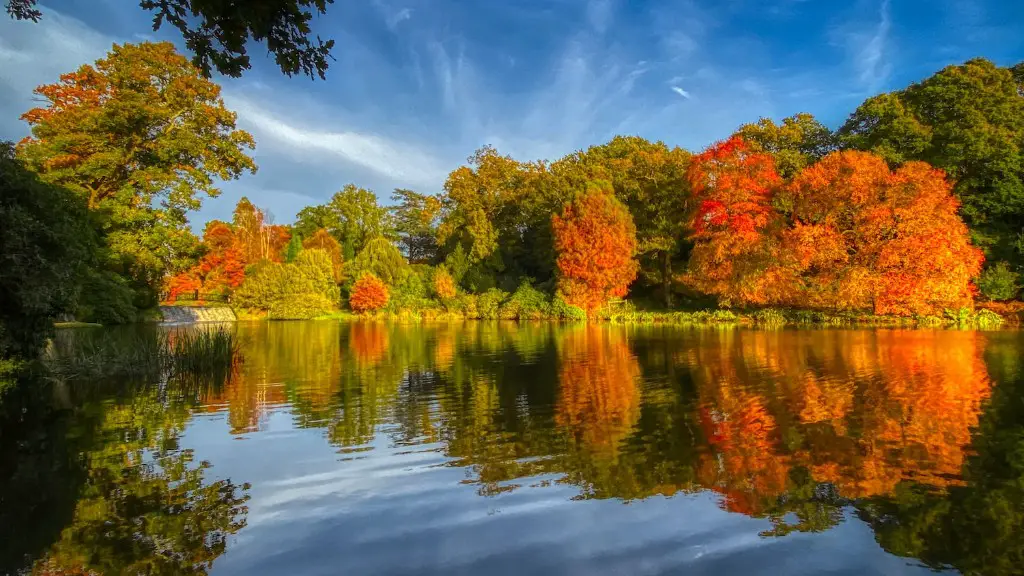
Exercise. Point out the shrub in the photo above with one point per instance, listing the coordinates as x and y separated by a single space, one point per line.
489 303
562 310
527 303
444 284
468 305
410 295
999 283
106 298
382 259
313 273
368 293
987 319
301 306
770 317
264 284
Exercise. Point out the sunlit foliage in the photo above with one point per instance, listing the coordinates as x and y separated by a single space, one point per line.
368 293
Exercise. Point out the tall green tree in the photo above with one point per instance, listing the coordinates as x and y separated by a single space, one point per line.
352 216
650 179
218 32
968 120
45 243
140 137
415 216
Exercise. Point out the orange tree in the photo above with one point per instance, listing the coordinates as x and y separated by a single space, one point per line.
733 187
862 237
368 293
444 284
596 242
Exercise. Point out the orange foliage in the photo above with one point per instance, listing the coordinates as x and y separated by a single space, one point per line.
734 187
183 283
866 238
323 240
369 341
595 239
444 284
598 397
257 238
368 293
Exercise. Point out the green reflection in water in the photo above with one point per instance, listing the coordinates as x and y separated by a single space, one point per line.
919 433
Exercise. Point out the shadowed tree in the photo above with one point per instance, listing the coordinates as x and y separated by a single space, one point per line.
217 32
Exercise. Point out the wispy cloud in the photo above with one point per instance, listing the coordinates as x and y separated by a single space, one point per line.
395 160
868 44
600 14
394 19
681 92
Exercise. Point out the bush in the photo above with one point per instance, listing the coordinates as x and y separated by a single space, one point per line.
770 317
999 283
264 284
313 273
410 295
562 310
468 305
489 303
444 284
368 293
527 303
106 298
301 306
382 259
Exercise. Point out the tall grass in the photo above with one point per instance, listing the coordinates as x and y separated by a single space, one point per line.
160 355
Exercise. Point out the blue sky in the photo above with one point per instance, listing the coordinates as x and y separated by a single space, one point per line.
419 84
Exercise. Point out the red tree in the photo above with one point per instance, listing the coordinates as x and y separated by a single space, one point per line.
595 240
368 293
734 187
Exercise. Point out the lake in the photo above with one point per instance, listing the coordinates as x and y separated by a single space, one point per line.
504 448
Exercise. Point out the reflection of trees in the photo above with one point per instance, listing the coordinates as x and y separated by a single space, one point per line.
138 503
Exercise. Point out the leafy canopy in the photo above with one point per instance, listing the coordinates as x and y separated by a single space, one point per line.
217 32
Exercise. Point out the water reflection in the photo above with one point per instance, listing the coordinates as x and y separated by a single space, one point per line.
918 434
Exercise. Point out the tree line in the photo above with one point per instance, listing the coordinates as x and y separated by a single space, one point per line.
913 206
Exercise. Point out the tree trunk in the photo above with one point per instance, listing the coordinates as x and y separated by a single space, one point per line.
666 277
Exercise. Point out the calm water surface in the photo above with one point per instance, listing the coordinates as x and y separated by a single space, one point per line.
486 448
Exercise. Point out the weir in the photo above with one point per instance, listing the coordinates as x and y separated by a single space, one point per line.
193 314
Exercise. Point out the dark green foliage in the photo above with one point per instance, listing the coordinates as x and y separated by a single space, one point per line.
796 143
291 251
999 282
415 217
218 33
45 242
106 298
563 311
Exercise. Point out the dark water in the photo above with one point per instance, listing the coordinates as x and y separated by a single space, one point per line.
496 449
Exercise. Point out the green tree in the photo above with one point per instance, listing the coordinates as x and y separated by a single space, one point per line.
415 216
968 120
139 137
217 33
650 179
382 259
796 143
45 243
291 251
352 216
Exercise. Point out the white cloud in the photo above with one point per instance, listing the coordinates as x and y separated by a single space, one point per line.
394 19
32 54
681 92
395 160
867 44
599 14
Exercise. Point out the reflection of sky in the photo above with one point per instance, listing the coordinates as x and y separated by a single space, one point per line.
395 510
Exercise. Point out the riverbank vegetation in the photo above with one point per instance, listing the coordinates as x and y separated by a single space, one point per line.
908 212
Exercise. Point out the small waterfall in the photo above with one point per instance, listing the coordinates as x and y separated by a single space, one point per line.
191 314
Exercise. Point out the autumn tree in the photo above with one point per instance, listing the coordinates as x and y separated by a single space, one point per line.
322 240
650 179
596 242
733 187
968 120
140 137
352 216
368 293
218 34
444 284
863 237
259 238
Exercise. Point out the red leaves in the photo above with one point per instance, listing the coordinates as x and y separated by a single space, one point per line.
368 293
595 239
858 236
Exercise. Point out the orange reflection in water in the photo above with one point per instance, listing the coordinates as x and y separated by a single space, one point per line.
599 399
